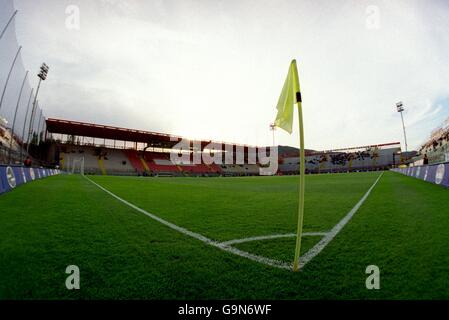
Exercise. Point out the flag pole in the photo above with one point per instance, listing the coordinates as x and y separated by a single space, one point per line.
291 94
301 184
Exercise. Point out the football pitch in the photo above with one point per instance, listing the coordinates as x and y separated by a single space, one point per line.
224 238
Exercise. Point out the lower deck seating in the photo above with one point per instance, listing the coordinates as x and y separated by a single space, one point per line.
96 160
100 160
368 159
160 163
233 169
116 163
197 169
215 168
135 161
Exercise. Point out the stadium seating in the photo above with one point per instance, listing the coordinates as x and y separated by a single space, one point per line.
195 168
115 162
233 169
96 160
436 149
214 168
7 141
135 160
160 164
289 165
100 160
251 169
71 153
369 158
199 168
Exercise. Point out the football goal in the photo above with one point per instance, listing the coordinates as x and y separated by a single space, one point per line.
77 166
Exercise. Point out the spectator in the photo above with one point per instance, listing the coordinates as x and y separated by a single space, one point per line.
27 162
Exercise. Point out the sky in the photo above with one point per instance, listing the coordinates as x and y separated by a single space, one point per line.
215 69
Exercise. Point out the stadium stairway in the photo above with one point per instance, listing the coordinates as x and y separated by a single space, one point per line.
61 160
101 166
144 164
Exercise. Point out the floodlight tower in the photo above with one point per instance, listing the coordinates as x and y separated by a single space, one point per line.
42 76
273 128
400 109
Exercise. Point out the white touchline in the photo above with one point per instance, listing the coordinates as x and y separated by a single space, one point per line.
328 236
312 253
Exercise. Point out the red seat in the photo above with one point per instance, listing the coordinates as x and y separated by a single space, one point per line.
135 161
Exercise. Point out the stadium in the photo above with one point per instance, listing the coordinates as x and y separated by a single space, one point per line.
140 214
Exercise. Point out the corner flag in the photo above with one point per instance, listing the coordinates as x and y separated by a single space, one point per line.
290 95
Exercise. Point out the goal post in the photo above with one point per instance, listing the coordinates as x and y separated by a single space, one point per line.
77 166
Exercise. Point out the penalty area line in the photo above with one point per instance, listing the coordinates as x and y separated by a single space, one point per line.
272 236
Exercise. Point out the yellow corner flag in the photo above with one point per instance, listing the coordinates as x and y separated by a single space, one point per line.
290 95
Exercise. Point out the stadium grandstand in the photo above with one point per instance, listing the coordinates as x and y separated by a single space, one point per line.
14 150
363 158
108 150
436 148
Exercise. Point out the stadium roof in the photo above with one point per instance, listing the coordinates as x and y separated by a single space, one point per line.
379 146
155 139
84 129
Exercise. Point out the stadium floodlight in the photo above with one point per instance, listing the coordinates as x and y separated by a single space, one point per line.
42 76
399 106
400 109
43 71
273 128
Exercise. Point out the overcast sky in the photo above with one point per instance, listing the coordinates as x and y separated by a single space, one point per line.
215 69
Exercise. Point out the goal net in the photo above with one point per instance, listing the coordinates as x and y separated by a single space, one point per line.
77 166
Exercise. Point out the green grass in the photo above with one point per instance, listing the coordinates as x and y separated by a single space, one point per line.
403 228
229 208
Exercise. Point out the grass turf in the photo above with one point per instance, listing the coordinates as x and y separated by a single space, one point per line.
49 224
